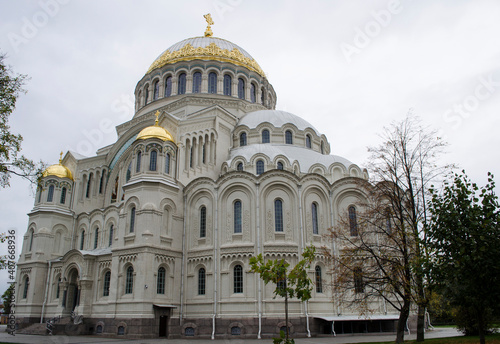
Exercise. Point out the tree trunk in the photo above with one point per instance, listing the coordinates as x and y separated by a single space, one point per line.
480 323
286 313
420 324
403 317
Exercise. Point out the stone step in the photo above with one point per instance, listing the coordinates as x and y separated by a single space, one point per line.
39 329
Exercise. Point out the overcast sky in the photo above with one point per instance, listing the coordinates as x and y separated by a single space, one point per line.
348 67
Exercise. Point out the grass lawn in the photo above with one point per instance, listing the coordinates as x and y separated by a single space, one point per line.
493 339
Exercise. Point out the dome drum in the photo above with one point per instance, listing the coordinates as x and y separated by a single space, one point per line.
206 65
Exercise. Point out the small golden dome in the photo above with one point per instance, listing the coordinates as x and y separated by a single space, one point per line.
155 131
58 170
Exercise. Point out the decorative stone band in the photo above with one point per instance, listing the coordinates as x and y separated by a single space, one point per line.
210 52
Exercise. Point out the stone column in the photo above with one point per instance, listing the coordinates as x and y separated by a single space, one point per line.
204 82
220 84
189 84
234 92
85 296
174 85
161 91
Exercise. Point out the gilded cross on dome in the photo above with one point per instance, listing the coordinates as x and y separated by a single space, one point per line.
157 114
208 31
60 157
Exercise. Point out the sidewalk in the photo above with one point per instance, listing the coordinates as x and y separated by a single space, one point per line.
340 339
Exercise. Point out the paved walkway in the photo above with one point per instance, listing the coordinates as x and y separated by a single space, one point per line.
340 339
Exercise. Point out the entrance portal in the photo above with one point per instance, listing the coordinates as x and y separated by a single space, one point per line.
163 325
73 297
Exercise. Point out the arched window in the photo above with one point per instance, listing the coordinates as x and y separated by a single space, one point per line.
359 286
240 166
63 196
203 153
26 286
146 95
266 138
203 222
243 139
167 163
152 160
314 211
322 148
308 141
50 195
212 83
160 282
227 84
319 280
241 88
279 165
111 230
237 217
263 96
39 190
201 281
353 222
114 194
181 84
168 86
260 167
252 93
58 288
288 137
138 162
82 240
191 151
156 90
129 172
96 238
278 215
89 184
32 234
132 220
197 82
238 279
101 182
129 280
107 281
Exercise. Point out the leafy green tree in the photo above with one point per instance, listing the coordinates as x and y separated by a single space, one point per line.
464 235
11 161
7 299
289 283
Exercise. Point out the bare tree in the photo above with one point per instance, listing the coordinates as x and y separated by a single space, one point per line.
380 240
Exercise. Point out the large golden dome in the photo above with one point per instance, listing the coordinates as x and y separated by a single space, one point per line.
206 48
58 170
155 131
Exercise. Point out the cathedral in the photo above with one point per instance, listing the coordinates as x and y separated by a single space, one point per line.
152 236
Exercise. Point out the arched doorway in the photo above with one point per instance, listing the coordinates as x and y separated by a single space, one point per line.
72 291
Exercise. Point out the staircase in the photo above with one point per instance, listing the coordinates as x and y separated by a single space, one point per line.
59 326
38 328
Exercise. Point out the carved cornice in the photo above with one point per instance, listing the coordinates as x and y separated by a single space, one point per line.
128 257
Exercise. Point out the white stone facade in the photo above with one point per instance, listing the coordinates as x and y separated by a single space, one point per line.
161 248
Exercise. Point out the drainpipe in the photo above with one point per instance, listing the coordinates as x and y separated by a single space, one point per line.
46 292
335 296
216 259
181 311
259 283
301 228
